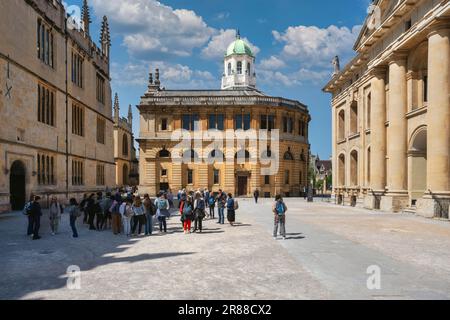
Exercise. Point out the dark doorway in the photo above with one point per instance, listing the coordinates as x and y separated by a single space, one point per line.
164 187
17 185
242 186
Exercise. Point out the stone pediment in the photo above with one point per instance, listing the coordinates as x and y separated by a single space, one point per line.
381 10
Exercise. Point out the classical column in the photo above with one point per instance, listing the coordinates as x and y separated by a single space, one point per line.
436 202
397 149
438 144
378 131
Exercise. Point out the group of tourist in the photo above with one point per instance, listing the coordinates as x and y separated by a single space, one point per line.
129 214
197 205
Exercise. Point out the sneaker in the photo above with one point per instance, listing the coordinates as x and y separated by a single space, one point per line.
284 238
275 237
53 233
36 238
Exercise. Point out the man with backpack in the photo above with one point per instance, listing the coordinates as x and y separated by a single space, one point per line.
162 204
279 209
211 205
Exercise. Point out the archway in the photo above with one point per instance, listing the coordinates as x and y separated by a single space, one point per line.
417 156
17 185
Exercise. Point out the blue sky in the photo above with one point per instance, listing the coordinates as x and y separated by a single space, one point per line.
294 41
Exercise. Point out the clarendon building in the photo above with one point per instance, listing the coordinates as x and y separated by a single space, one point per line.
55 101
238 107
391 112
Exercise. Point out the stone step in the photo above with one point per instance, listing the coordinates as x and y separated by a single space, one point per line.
412 210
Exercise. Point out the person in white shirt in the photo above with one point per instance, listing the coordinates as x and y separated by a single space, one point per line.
126 212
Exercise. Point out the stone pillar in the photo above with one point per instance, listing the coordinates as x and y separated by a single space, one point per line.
436 202
397 196
378 135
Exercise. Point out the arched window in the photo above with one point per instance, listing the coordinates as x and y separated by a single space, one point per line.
341 127
354 168
288 156
341 172
229 68
239 67
249 68
216 156
354 118
164 154
125 145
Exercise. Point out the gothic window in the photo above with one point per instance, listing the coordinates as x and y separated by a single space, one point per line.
46 169
125 145
101 129
46 105
45 44
100 175
77 173
77 120
239 67
100 89
77 69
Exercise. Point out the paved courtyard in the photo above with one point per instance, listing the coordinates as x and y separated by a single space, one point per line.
325 256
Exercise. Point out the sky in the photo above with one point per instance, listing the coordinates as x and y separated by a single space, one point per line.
294 42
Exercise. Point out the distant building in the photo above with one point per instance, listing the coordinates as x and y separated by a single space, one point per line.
238 107
55 103
391 111
127 165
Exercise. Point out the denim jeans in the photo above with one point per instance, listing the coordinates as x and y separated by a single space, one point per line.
221 215
279 220
30 225
162 223
149 225
73 226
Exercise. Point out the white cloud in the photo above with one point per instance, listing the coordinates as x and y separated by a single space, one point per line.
315 46
172 76
148 26
272 63
219 43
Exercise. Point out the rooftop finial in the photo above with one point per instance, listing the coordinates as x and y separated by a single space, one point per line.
86 17
105 38
157 82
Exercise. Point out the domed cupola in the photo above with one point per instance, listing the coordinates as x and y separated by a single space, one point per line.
239 66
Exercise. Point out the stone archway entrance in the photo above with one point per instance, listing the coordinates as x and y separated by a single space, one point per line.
417 175
17 185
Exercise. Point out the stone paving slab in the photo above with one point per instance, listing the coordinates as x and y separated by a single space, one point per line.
222 263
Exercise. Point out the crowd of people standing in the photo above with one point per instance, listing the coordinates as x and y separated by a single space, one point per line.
130 214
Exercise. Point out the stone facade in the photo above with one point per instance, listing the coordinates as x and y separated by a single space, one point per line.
127 165
162 112
391 112
41 80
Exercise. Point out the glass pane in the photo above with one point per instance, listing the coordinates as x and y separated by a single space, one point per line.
186 122
220 122
263 122
238 122
247 122
212 121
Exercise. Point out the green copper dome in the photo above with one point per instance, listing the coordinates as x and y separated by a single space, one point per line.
239 46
